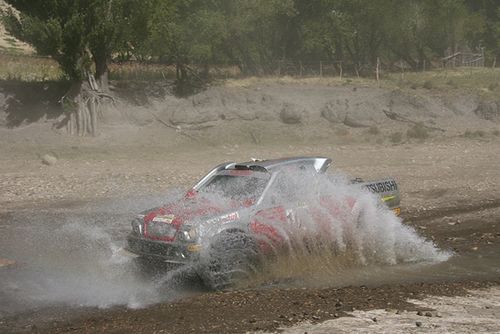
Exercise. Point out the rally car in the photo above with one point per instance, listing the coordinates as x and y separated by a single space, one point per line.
238 215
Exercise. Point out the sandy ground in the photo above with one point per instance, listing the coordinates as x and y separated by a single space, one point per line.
476 312
450 195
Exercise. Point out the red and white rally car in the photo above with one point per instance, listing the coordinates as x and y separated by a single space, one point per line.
241 213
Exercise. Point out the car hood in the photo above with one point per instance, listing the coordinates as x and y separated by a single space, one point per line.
194 209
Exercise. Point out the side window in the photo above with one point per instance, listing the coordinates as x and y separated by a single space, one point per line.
284 189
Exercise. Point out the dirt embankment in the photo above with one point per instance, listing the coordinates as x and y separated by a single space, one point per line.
265 111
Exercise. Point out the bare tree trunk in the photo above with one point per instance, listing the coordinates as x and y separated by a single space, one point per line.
378 70
102 73
71 123
79 122
93 119
83 102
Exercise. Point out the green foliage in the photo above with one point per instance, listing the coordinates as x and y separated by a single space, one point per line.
254 34
75 33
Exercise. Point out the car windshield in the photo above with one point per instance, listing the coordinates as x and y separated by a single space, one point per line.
237 184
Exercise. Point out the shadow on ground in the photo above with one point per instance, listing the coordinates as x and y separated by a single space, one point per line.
27 102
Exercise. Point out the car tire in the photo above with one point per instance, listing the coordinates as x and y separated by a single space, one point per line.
231 258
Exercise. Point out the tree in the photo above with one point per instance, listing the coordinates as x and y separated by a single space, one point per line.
251 33
187 32
81 36
486 20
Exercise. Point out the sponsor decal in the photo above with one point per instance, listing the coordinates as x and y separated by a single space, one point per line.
388 198
382 187
164 219
230 217
194 248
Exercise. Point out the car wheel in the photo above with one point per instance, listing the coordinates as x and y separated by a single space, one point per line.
231 258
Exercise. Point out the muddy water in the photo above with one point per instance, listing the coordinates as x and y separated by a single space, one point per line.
71 256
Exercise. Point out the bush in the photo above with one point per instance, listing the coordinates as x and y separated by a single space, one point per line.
373 130
396 137
452 83
474 134
417 131
428 84
342 132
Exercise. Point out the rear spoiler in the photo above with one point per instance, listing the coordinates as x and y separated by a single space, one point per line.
381 187
387 189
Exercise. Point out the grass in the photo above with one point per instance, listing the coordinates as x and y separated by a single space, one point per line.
484 81
140 72
250 81
28 68
14 64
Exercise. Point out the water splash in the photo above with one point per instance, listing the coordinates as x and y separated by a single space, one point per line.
332 227
73 255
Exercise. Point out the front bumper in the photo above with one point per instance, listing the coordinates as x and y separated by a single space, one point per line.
178 253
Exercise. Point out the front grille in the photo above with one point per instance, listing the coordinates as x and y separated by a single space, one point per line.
160 230
167 251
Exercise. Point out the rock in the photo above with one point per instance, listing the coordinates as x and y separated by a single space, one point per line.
418 324
374 319
49 160
335 111
428 314
6 262
351 122
290 114
419 313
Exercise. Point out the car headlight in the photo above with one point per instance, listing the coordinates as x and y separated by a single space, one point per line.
137 226
188 233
